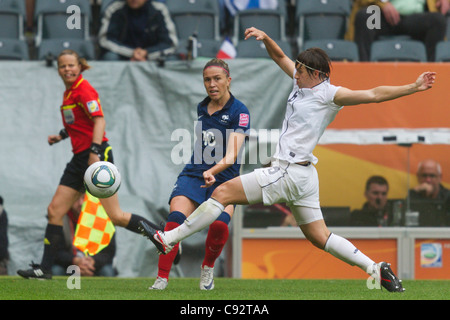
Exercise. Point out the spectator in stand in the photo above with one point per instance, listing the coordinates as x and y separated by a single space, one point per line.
137 30
422 20
430 192
429 177
29 12
375 211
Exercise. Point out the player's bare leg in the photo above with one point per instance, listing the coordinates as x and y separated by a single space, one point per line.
124 219
319 235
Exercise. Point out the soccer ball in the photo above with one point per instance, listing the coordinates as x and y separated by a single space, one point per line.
102 179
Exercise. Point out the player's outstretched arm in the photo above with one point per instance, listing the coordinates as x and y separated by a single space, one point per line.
347 97
274 51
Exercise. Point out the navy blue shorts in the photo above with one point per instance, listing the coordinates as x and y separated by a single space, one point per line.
74 173
189 187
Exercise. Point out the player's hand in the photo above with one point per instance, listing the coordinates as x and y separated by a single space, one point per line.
425 80
209 179
253 32
54 138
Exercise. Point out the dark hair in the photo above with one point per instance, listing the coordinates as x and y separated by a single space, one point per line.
377 180
315 59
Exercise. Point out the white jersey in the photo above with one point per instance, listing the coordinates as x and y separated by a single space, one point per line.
308 112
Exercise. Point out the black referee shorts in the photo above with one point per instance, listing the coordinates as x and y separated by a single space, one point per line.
74 172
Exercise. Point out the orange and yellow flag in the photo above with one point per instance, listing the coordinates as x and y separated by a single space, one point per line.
94 228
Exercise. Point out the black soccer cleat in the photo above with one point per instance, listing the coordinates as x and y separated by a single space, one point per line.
36 272
388 279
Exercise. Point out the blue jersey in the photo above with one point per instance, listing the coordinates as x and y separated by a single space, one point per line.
212 132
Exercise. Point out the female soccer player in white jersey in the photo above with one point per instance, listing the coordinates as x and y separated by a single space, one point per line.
311 106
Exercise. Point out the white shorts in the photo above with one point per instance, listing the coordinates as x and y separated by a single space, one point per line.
294 184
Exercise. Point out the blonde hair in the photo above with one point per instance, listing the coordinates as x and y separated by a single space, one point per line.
82 61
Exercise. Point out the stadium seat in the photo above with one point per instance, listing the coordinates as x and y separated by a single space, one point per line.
208 47
205 48
443 51
321 19
252 48
337 50
398 50
273 22
200 17
12 19
53 47
53 20
13 49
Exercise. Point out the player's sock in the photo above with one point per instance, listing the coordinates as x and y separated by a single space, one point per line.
202 217
165 261
344 250
53 239
215 241
133 224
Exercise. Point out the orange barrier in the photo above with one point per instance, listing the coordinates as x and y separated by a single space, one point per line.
299 259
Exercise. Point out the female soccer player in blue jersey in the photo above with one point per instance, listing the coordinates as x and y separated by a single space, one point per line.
222 127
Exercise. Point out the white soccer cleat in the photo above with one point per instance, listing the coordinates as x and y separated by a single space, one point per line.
163 246
207 278
160 284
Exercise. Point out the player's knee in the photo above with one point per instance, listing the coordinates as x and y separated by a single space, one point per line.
317 236
220 194
317 242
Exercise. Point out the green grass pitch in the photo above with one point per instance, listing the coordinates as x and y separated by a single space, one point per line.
108 297
16 288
